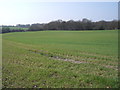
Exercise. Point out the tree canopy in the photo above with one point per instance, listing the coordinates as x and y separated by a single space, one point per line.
84 24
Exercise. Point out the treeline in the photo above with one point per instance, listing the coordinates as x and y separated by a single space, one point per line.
85 24
17 28
18 25
7 30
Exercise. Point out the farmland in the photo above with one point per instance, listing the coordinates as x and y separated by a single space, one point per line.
60 59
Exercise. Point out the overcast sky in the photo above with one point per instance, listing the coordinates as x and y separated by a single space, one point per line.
34 11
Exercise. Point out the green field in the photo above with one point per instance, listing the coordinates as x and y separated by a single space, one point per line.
0 61
18 28
60 59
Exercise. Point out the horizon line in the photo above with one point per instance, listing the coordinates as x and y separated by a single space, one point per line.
55 20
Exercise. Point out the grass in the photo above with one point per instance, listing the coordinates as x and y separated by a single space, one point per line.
37 59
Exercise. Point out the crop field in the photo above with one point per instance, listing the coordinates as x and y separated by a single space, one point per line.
60 59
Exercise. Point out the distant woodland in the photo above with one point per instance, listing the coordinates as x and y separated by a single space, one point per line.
84 24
